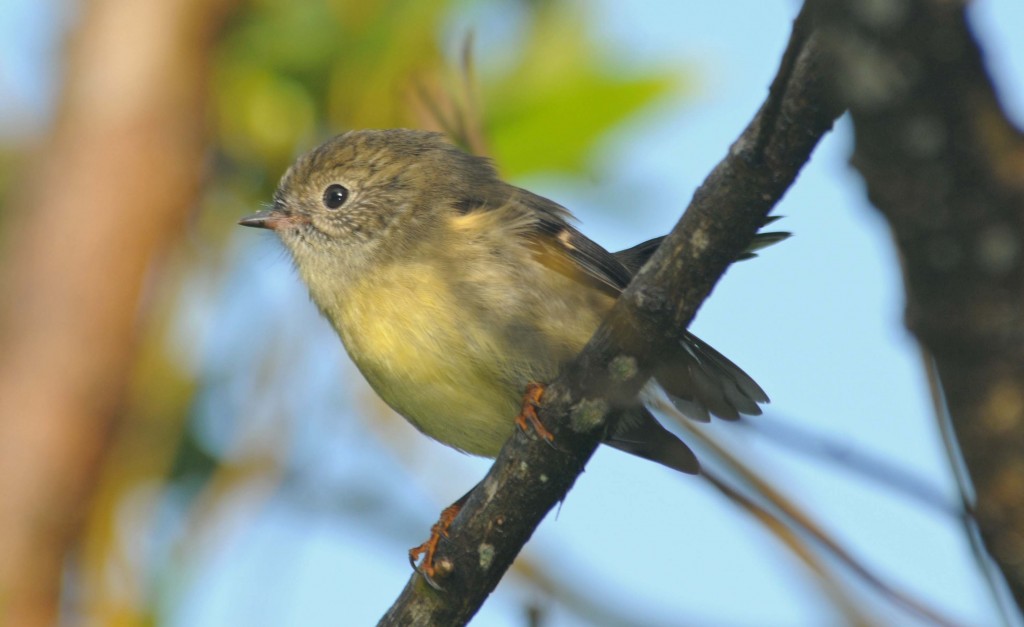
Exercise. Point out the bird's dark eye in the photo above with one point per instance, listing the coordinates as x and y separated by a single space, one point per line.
335 196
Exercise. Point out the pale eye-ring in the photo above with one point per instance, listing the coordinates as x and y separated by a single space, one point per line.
335 196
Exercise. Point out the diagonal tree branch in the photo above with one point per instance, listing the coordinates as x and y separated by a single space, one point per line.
946 168
529 478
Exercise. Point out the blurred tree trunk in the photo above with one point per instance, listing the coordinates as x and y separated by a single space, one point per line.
110 191
945 166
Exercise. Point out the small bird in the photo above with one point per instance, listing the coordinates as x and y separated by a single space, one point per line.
454 292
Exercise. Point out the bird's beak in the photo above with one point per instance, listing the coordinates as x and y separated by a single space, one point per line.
272 219
261 220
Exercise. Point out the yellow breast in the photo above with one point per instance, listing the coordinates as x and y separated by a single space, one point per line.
428 359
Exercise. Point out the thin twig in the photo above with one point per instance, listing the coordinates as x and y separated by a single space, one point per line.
880 471
794 516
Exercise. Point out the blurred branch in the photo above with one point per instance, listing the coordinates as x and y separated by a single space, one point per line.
840 595
110 191
795 527
946 167
851 459
993 577
529 478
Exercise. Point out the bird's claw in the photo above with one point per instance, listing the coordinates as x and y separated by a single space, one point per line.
528 420
426 567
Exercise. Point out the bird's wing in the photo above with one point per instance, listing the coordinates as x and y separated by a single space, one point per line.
563 248
699 379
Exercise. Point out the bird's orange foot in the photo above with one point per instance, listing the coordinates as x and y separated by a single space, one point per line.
527 418
428 549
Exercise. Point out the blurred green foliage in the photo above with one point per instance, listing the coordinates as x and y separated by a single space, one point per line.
290 74
548 111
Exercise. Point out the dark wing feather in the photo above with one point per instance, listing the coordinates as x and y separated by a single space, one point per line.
704 380
597 264
635 257
600 268
646 438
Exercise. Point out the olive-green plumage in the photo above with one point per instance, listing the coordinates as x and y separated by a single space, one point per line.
451 290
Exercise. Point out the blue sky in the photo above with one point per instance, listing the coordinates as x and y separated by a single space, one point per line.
817 320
